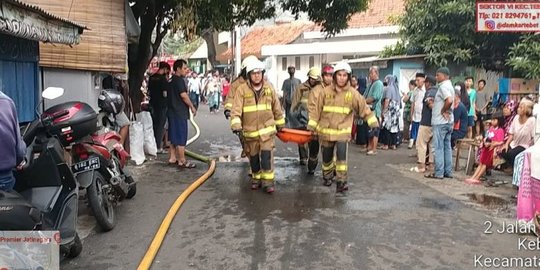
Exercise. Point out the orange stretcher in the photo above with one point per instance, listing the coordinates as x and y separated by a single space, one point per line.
294 135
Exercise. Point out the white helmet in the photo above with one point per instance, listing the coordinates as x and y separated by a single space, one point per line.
249 59
343 66
255 66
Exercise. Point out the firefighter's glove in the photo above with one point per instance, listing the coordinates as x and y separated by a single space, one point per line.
227 114
372 121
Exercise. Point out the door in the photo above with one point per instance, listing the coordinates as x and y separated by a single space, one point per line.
406 75
19 74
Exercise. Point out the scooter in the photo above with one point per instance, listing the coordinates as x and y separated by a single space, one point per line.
45 195
99 165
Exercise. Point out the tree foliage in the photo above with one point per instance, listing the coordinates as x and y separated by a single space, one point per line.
524 57
202 17
173 45
446 32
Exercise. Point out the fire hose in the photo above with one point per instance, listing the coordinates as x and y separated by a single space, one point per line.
159 237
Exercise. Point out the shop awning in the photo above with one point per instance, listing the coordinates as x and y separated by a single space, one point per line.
31 22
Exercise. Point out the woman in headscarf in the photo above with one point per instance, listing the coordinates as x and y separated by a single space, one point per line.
391 108
509 112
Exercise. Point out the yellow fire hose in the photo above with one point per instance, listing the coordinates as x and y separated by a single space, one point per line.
154 247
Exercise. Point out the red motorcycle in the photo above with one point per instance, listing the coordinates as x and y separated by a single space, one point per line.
99 161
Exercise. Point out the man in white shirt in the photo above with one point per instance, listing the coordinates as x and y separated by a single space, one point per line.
194 86
442 122
416 107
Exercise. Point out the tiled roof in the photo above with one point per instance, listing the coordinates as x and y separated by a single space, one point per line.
259 36
44 13
377 13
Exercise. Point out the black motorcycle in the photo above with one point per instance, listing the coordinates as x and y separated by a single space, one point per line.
45 195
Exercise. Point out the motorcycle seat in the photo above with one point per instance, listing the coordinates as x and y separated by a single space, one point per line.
42 198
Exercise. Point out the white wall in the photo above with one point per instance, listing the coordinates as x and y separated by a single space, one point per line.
278 74
78 86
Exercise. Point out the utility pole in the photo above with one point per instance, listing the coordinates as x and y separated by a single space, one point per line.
238 50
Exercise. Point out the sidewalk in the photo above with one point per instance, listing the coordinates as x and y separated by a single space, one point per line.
496 201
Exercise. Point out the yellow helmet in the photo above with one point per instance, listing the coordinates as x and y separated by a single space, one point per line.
249 59
314 73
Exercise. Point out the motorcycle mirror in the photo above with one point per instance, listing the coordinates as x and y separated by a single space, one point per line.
52 93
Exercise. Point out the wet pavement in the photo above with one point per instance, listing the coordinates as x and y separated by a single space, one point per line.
391 219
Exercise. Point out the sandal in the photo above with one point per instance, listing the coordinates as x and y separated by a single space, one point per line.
170 163
432 176
415 169
371 153
187 165
491 183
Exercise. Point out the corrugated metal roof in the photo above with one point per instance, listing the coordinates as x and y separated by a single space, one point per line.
44 13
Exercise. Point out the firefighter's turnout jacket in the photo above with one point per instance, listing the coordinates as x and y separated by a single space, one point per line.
301 96
256 113
333 114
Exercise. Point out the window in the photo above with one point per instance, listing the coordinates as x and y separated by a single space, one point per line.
311 61
284 63
297 63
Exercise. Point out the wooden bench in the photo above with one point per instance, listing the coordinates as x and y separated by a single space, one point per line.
472 146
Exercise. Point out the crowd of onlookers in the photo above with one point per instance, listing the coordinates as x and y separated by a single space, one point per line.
436 114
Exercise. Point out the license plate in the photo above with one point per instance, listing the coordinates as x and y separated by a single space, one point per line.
86 165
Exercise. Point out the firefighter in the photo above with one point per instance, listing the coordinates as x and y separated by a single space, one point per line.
332 120
256 113
299 108
241 79
313 100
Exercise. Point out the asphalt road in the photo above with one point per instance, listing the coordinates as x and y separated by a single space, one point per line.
389 220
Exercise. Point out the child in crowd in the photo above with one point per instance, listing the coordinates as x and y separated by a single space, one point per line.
494 139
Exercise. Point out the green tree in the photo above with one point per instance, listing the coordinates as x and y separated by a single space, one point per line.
203 17
524 57
173 45
446 32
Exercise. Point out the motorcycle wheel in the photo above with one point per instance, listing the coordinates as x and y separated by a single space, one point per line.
74 249
132 189
100 204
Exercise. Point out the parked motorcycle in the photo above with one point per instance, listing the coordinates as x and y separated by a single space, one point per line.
46 192
99 162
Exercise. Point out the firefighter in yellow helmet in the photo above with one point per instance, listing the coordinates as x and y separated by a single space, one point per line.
332 120
299 110
326 79
241 79
256 113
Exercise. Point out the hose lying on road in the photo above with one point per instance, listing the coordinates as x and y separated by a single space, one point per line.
154 247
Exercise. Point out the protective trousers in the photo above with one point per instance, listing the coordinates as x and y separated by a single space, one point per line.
261 160
311 148
334 164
